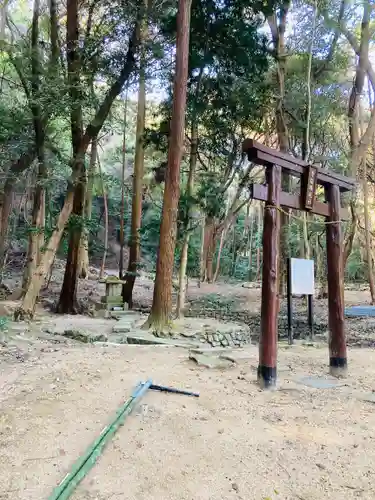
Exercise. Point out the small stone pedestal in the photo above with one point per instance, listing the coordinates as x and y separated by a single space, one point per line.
113 294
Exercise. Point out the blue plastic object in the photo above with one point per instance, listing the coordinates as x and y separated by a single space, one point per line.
360 311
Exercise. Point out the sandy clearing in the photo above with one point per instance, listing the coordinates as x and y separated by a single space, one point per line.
235 442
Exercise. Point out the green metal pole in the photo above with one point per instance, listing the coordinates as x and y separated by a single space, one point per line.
85 463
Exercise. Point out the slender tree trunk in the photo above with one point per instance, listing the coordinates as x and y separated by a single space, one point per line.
277 24
250 249
27 308
321 268
211 246
370 269
83 269
161 310
3 16
135 240
182 285
102 267
68 296
219 252
353 117
306 146
207 232
36 235
235 252
123 171
202 265
221 244
6 198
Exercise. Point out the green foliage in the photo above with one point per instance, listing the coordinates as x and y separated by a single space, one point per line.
232 93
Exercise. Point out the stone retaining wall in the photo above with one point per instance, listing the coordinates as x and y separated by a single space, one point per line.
227 337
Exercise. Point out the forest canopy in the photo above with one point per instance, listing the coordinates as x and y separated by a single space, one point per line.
116 114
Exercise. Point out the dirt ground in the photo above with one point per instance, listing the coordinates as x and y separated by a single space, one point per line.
234 442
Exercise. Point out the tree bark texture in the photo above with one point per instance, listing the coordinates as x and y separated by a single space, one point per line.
278 25
182 283
250 244
36 235
6 198
182 286
161 311
27 308
84 261
353 117
370 269
68 296
123 171
135 239
104 193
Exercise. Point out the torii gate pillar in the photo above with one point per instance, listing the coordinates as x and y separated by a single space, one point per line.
270 280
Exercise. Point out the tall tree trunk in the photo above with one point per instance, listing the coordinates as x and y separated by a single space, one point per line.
135 239
370 269
219 252
3 17
306 153
6 198
102 267
353 117
234 252
277 23
123 171
250 248
321 270
210 245
207 232
221 244
36 235
161 311
259 239
68 296
182 284
83 269
202 265
182 281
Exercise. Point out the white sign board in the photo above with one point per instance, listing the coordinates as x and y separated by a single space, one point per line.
302 277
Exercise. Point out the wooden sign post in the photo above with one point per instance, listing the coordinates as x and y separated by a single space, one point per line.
310 175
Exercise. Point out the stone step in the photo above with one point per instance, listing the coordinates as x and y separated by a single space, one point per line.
145 338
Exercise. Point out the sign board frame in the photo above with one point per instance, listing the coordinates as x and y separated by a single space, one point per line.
297 270
302 276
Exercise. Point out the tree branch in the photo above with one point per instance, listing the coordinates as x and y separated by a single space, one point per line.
96 124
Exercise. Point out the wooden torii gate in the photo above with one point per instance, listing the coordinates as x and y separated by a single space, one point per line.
271 193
